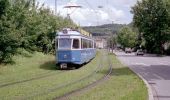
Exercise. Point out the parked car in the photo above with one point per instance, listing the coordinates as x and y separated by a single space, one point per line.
128 50
139 52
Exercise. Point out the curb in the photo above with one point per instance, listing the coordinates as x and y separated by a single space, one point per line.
150 93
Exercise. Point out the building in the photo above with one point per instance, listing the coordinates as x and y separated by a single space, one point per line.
100 39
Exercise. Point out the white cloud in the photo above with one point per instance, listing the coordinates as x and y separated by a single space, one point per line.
124 3
116 10
73 0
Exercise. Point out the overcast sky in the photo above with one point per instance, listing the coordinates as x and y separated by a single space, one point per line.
117 11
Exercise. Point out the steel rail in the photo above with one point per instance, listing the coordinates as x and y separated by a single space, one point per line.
57 88
89 85
31 79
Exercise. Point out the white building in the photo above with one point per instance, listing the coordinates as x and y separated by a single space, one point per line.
101 40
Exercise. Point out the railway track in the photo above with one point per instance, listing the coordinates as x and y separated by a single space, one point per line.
44 75
72 93
57 88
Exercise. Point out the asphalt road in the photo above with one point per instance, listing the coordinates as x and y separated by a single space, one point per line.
155 70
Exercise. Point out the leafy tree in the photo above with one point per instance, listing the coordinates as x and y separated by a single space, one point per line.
3 7
152 19
9 37
25 24
112 42
126 37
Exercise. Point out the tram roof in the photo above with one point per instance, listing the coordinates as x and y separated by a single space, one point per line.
68 31
73 32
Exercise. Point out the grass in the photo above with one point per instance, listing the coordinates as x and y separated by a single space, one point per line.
27 67
121 85
35 66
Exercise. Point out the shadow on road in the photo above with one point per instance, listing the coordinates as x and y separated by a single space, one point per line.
153 72
126 55
163 97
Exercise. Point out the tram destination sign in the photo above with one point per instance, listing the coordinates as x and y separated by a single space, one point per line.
64 36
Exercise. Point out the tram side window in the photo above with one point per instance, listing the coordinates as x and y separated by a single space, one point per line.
81 43
91 44
95 45
84 43
87 43
56 43
75 43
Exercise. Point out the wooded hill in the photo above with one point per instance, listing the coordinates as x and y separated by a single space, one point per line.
104 29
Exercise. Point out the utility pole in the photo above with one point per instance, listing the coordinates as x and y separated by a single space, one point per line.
55 7
70 7
99 7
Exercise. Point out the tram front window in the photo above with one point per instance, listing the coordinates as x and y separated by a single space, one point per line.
64 43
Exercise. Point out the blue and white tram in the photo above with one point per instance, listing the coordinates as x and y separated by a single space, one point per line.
73 48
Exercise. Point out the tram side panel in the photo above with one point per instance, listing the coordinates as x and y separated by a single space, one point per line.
88 50
87 55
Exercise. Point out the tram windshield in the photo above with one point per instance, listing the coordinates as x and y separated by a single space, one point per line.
64 43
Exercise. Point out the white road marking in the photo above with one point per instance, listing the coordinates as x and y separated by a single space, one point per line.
163 64
158 76
143 64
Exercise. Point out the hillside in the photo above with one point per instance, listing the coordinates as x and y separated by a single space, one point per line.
104 29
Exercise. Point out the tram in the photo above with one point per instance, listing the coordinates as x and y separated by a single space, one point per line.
73 48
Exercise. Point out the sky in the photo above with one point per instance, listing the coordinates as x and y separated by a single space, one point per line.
90 14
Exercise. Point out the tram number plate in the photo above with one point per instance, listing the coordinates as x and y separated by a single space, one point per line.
63 65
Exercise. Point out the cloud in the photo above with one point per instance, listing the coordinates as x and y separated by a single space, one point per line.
124 3
73 0
117 11
87 16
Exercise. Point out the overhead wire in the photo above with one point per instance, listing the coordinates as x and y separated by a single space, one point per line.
92 9
70 8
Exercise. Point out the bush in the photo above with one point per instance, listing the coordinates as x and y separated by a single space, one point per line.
26 25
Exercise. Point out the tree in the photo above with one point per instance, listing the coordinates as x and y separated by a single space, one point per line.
9 37
126 37
152 19
27 25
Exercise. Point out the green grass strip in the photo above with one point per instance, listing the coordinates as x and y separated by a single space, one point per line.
41 65
123 84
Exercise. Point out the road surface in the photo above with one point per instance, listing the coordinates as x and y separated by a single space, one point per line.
155 70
